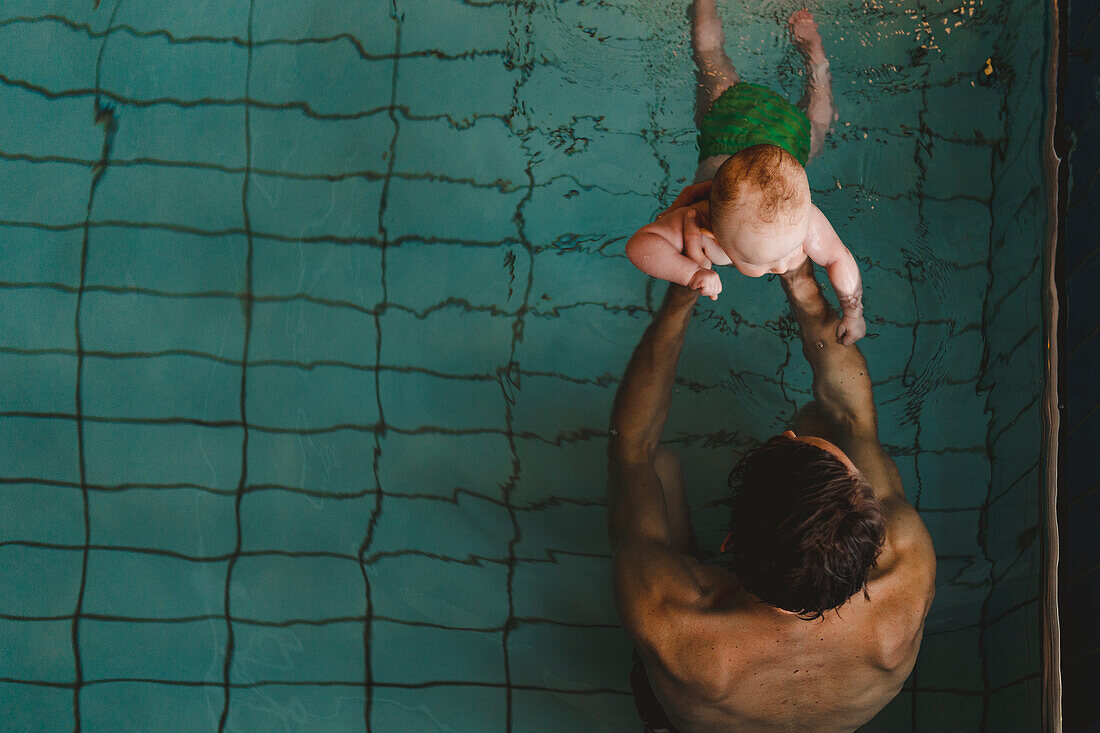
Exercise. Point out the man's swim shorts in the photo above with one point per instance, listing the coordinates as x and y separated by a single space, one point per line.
749 114
645 702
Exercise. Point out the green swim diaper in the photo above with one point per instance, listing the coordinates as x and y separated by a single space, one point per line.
749 114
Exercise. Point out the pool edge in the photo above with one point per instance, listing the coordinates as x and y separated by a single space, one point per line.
1054 173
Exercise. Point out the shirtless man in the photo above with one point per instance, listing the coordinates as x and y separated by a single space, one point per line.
814 619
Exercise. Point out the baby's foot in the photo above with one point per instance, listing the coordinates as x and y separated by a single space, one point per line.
804 35
706 282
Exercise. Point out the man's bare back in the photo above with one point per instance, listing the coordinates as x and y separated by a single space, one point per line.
719 658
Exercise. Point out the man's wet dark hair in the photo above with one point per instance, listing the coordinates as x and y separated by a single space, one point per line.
805 531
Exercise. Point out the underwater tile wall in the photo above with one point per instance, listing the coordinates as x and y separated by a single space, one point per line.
311 316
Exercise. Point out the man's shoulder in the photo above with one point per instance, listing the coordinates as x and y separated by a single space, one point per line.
703 653
655 587
907 548
687 617
896 633
902 586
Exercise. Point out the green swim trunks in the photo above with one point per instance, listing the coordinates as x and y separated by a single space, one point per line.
747 115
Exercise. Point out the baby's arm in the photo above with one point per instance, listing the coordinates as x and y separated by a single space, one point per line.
657 249
824 247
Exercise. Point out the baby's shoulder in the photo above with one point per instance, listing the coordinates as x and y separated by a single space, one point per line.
820 229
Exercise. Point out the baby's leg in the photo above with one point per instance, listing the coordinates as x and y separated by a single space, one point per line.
818 100
713 67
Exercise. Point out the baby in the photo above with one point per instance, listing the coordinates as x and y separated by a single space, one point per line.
752 208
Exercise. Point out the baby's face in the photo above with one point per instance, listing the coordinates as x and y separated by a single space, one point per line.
758 248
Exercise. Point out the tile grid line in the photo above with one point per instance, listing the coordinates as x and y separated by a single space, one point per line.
381 428
522 59
163 34
605 380
453 498
242 482
578 435
306 109
287 623
519 620
353 684
457 303
429 684
351 38
355 240
103 115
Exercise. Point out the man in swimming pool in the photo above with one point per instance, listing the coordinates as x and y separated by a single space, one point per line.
813 617
755 211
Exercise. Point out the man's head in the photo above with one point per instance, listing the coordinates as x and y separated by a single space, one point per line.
806 528
760 209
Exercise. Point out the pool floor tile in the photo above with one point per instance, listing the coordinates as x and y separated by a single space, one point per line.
469 595
570 658
134 707
191 651
412 655
37 651
35 709
462 709
38 581
283 588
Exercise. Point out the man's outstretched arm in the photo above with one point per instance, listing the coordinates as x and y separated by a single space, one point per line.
635 499
649 566
903 583
842 385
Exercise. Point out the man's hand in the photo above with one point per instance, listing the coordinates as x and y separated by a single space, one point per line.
850 329
690 194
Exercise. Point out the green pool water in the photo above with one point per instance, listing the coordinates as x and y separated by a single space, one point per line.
311 315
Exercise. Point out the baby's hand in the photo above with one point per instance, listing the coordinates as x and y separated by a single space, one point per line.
851 329
694 244
706 282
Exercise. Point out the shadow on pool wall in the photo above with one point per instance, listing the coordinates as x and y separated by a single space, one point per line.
1080 479
324 450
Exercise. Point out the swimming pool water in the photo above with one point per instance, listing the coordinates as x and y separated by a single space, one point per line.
311 315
